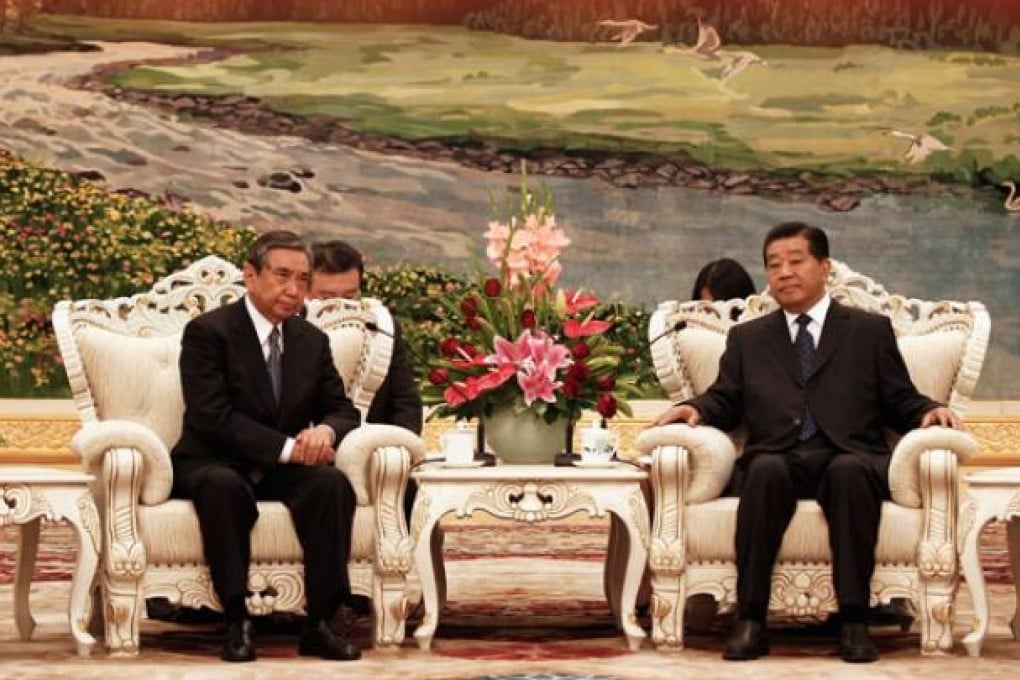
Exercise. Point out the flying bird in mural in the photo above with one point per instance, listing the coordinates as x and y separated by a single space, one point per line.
921 146
628 29
1012 203
741 60
707 48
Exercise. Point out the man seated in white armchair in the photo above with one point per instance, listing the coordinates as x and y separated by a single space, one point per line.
264 411
815 383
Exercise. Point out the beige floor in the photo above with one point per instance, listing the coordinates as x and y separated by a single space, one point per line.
50 653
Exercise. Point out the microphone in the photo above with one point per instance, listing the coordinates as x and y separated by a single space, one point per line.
373 327
677 326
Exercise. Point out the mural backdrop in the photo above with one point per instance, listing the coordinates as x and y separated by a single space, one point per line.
669 133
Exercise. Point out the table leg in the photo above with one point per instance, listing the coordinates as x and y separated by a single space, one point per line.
637 558
423 561
80 606
1013 538
971 564
28 546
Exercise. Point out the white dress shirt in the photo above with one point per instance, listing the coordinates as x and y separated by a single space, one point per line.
263 327
817 314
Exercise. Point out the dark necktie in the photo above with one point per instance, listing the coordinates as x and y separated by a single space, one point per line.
274 363
804 346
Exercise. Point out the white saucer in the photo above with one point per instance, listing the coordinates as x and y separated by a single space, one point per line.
595 463
468 464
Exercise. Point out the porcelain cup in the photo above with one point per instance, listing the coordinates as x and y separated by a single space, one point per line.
598 444
458 446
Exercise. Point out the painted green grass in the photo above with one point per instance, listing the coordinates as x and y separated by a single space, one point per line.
808 108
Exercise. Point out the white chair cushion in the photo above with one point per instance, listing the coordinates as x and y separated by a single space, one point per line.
347 344
933 361
135 379
701 350
711 527
171 534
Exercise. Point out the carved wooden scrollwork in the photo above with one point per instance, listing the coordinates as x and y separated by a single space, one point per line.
803 593
530 501
936 559
19 505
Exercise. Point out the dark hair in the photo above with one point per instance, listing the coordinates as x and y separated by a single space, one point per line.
272 240
725 280
818 242
336 257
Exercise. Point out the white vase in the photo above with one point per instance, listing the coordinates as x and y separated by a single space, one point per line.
523 438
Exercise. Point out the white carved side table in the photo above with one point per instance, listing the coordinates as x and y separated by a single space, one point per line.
994 495
30 494
532 494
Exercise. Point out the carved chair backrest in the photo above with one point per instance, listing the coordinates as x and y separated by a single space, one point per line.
121 355
943 343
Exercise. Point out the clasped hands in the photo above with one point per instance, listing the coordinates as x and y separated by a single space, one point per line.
314 446
685 413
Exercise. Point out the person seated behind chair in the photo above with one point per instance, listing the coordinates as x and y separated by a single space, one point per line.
815 383
264 409
337 271
722 279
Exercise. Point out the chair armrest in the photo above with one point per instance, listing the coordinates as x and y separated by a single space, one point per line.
905 468
94 440
711 456
355 454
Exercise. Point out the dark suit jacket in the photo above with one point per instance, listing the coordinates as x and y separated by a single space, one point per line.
398 401
230 413
859 384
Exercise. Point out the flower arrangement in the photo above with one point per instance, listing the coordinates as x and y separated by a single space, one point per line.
516 338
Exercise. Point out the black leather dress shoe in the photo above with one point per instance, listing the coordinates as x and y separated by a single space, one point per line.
319 639
855 644
240 642
746 641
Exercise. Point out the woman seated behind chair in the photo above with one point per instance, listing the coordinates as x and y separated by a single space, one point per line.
722 279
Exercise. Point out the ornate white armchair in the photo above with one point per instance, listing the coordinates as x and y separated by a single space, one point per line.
692 551
121 358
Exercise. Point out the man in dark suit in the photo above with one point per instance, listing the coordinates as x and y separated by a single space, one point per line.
264 410
337 271
815 383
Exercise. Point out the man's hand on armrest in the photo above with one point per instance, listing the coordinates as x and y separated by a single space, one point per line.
680 413
942 416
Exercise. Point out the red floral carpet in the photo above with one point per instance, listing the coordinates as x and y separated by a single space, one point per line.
506 622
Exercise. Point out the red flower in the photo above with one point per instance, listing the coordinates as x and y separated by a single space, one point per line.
449 346
438 376
474 362
469 306
578 371
571 387
492 379
493 287
606 383
606 405
468 349
578 301
459 393
473 323
528 318
573 328
580 350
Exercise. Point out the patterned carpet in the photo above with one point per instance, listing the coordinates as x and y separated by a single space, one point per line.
524 602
